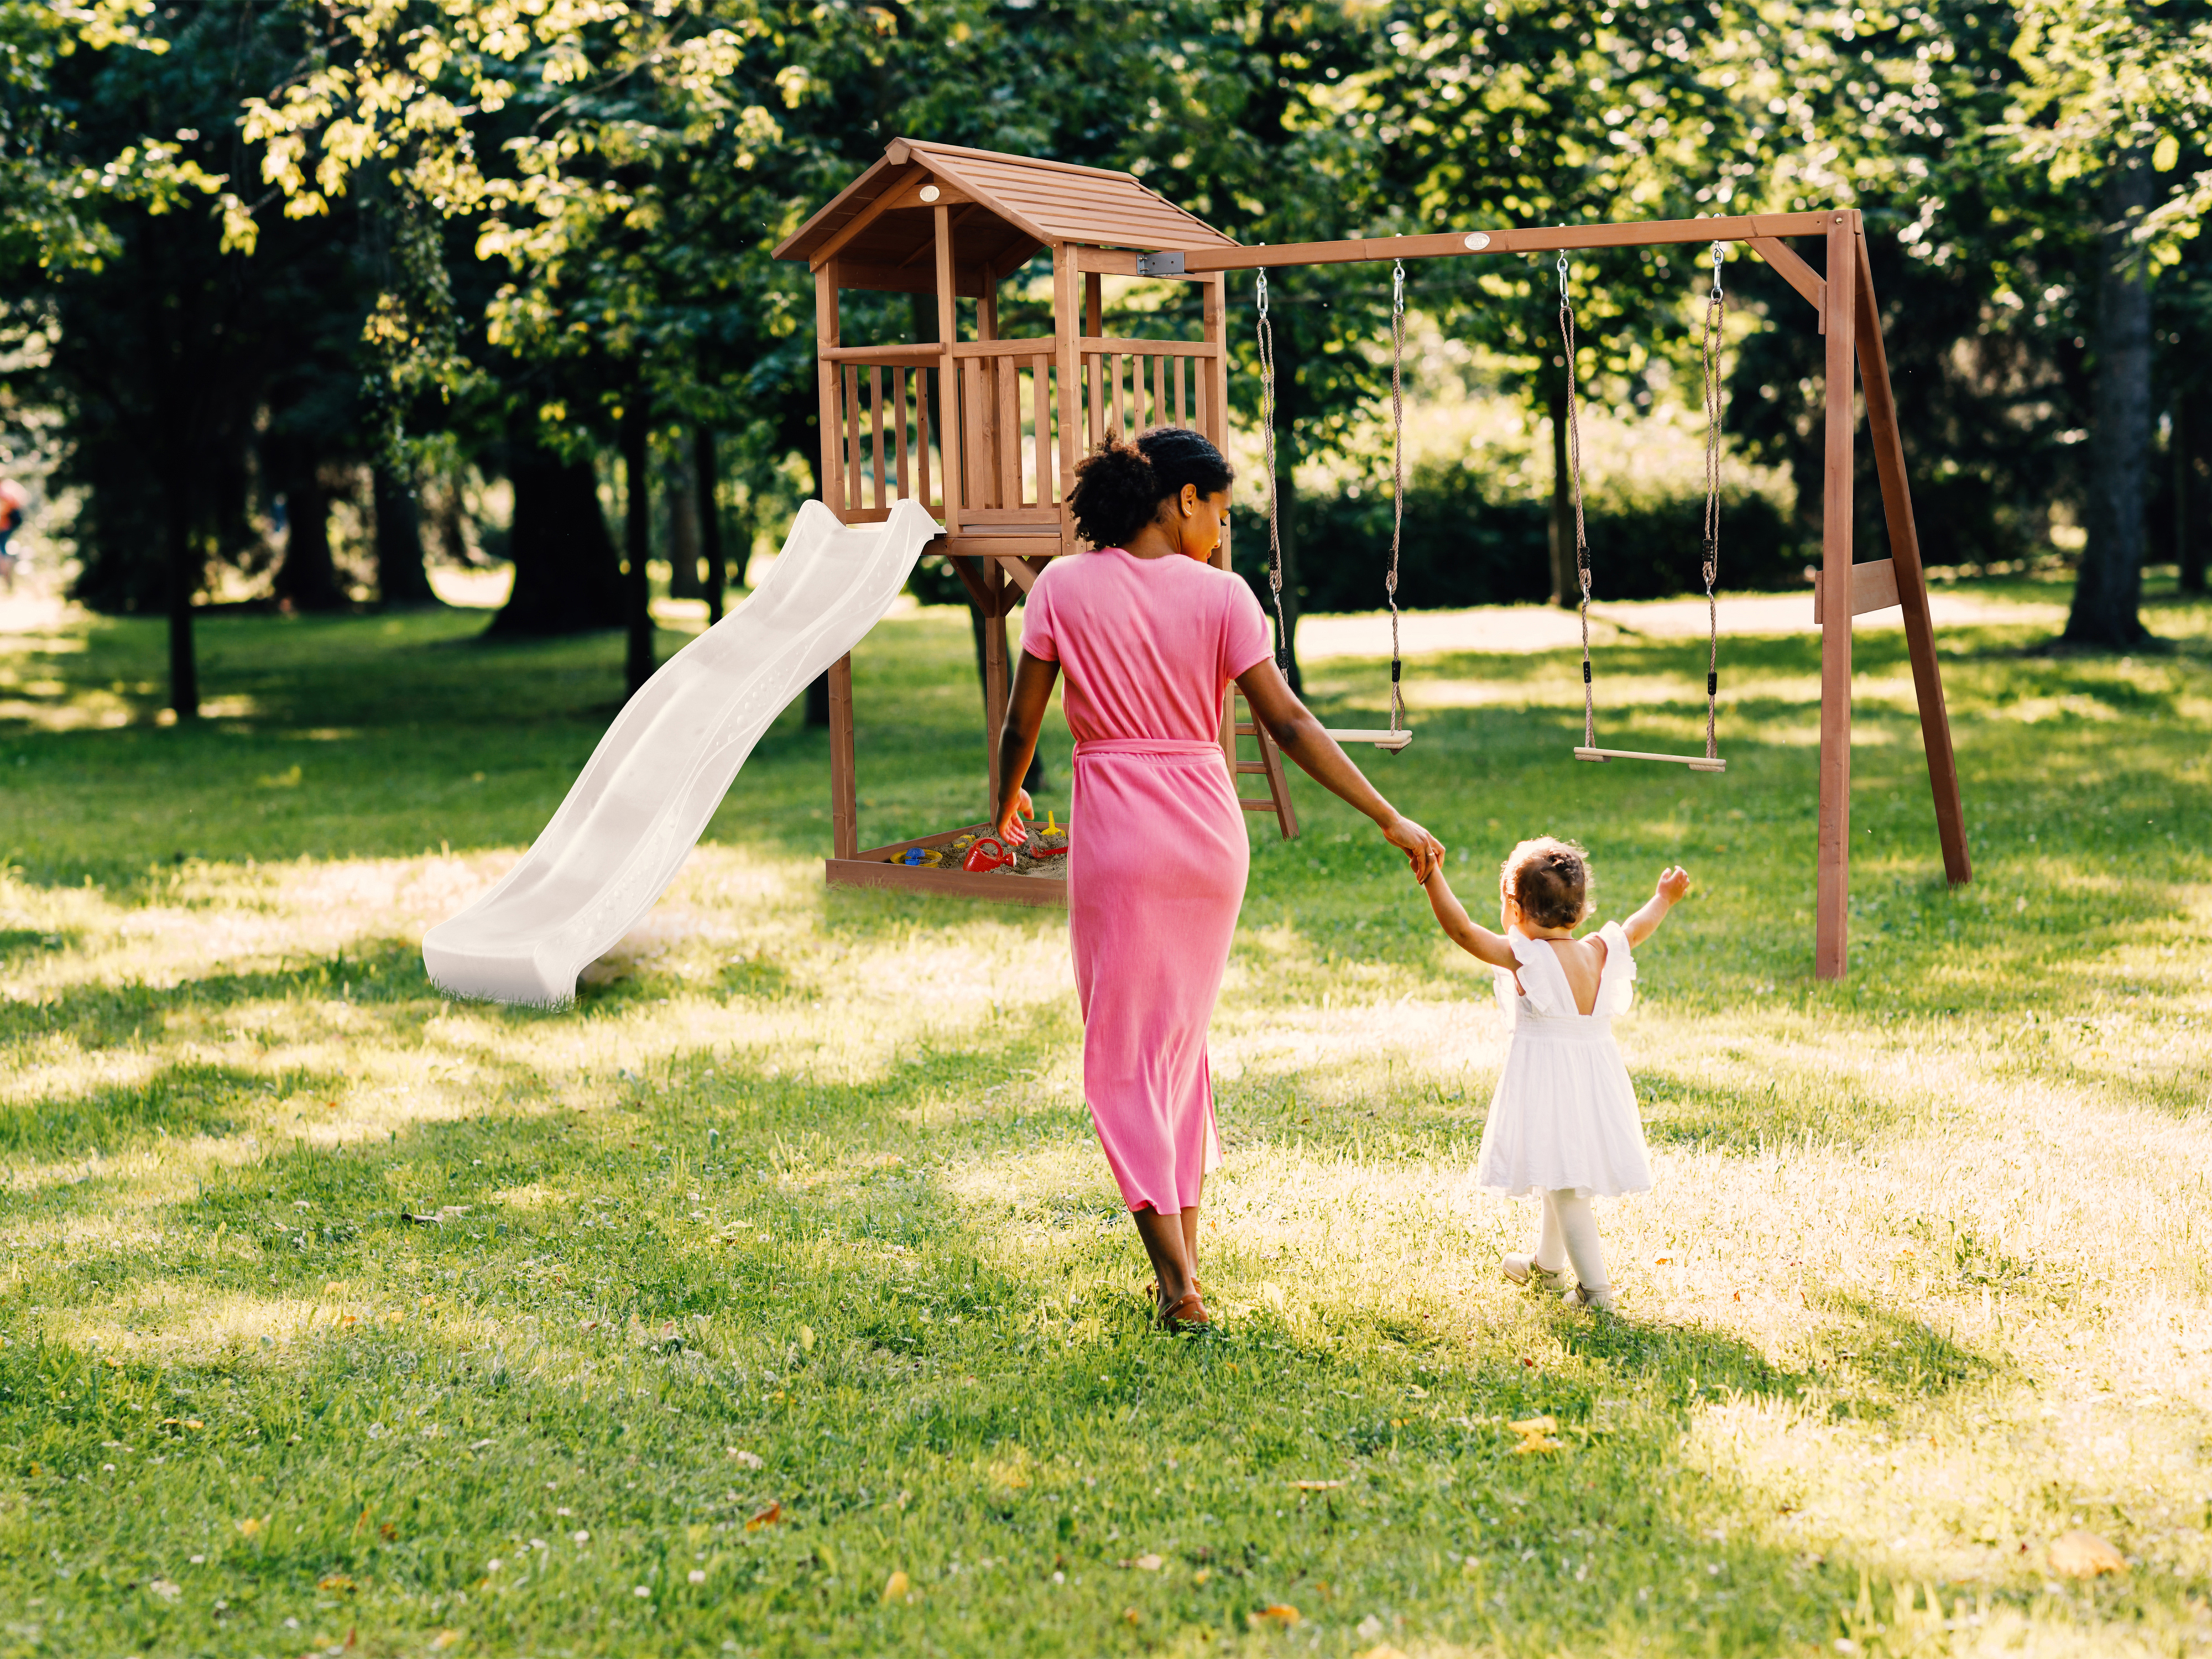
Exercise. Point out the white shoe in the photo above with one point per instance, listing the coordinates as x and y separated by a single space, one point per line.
1522 1268
1582 1297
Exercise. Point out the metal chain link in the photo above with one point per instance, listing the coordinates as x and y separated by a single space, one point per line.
1575 478
1266 330
1397 475
1716 315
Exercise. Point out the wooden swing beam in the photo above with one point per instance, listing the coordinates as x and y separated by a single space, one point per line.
1844 303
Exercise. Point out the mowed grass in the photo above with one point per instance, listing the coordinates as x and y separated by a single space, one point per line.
774 1298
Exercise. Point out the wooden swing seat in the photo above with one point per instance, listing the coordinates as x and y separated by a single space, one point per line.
1392 741
1695 762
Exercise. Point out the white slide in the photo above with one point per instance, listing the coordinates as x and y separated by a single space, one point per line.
643 798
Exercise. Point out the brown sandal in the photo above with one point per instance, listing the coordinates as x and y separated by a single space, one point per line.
1188 1313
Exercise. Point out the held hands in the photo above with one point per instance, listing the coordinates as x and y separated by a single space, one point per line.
1673 883
1017 807
1424 853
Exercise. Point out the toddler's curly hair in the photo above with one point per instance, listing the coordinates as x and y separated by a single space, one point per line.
1550 879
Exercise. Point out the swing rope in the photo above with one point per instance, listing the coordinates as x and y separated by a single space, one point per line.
1716 315
1575 482
1274 525
1710 353
1397 478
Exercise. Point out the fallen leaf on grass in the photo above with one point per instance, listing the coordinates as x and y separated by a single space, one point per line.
251 1525
168 1588
337 1581
750 1459
897 1586
1280 1613
443 1639
2084 1555
1315 1485
1143 1563
767 1517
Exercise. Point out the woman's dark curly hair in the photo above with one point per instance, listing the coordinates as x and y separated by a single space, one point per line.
1120 485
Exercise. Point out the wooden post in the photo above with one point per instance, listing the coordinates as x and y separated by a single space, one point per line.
948 377
1832 916
995 667
1888 443
1066 328
1214 375
844 795
826 341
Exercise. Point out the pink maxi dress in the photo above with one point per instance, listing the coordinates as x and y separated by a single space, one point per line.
1157 858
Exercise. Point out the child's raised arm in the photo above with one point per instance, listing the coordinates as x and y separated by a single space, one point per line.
1674 882
1471 936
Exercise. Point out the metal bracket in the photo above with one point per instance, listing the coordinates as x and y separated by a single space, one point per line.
1160 264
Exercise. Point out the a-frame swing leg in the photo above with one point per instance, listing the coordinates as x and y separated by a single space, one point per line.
1912 581
1831 903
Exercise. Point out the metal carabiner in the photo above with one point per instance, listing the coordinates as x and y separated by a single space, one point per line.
1397 288
1717 267
1563 273
1263 292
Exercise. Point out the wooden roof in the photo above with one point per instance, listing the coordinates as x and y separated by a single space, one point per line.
1007 207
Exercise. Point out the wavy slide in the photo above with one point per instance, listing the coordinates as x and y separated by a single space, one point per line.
632 814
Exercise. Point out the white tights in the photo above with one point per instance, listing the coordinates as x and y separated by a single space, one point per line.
1570 1231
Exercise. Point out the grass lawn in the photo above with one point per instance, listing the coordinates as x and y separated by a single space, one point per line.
775 1298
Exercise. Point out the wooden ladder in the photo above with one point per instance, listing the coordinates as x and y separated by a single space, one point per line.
1237 722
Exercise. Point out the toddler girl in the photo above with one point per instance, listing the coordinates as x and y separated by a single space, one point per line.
1562 1123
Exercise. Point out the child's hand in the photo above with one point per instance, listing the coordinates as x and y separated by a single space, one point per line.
1674 882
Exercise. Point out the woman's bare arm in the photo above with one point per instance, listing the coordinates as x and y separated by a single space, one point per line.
1470 935
1034 678
1299 735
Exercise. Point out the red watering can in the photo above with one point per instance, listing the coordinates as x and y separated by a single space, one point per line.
987 854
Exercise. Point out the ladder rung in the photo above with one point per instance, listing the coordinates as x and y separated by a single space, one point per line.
1263 804
1381 739
1251 766
1243 731
1695 762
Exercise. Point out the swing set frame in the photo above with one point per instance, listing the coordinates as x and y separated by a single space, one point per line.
954 223
1842 299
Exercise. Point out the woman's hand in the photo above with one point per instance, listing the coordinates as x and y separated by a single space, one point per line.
1009 827
1423 851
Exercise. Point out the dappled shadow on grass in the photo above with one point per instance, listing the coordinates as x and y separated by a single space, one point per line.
179 1099
1700 1115
94 1015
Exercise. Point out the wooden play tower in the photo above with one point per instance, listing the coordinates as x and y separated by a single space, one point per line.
985 432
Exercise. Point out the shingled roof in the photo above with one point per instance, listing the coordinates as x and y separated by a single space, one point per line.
1014 206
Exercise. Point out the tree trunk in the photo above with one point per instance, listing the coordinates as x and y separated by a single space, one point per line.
1287 501
706 475
637 541
184 573
567 579
307 579
1567 582
682 497
2108 592
2190 435
401 580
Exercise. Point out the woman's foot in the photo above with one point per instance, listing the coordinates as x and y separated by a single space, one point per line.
1522 1268
1582 1297
1187 1313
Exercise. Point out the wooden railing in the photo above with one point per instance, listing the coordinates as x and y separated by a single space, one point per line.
884 397
1009 432
891 410
1130 384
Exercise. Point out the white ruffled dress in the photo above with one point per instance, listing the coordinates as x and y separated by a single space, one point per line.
1565 1113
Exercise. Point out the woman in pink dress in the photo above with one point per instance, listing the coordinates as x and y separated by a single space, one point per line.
1150 635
